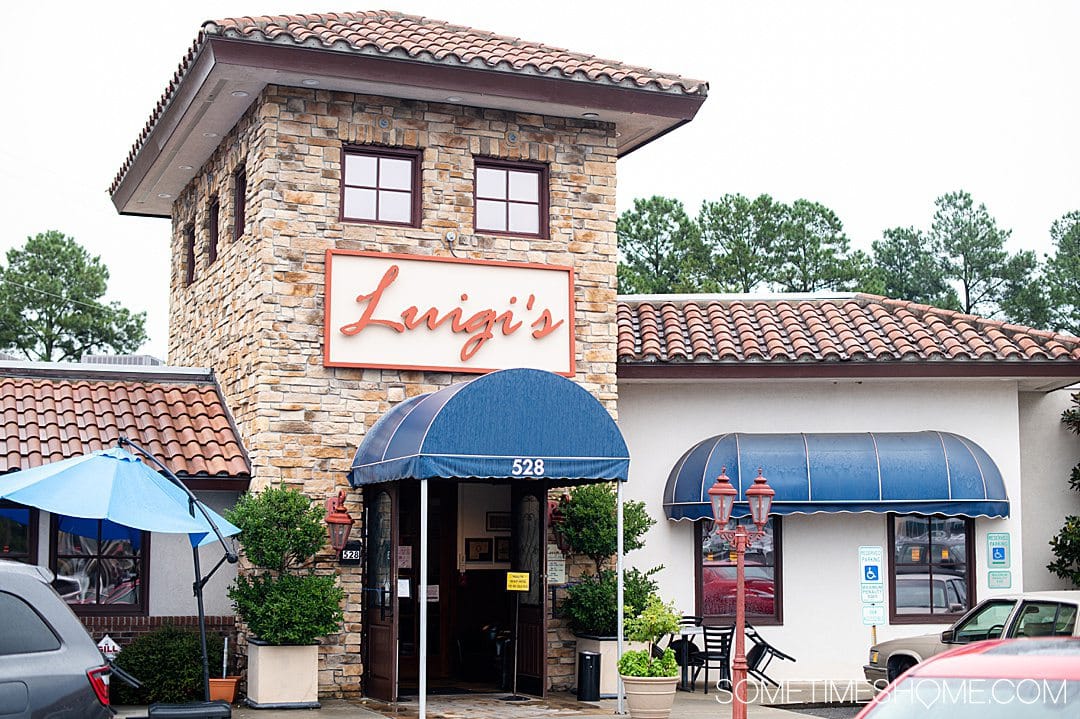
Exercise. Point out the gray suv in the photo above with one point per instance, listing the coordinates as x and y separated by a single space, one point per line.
49 665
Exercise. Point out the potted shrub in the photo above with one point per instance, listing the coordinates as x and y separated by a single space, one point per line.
650 681
285 604
590 527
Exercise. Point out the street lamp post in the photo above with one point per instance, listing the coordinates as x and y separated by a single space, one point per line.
722 497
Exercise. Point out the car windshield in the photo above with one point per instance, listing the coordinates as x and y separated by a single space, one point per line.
979 698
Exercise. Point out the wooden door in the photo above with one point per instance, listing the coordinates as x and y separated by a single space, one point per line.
529 520
381 522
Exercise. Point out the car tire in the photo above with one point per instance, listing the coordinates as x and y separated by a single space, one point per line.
898 666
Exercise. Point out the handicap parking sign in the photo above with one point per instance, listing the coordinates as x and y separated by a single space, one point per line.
998 554
871 573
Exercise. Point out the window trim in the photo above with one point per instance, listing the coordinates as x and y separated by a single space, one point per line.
32 543
142 609
777 619
969 573
543 193
189 255
212 230
397 153
239 201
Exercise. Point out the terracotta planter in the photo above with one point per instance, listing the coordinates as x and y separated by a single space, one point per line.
224 689
650 697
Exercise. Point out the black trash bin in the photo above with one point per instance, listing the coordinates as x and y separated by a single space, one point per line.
194 710
588 676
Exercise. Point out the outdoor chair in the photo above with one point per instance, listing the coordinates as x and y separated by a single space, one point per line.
759 656
716 655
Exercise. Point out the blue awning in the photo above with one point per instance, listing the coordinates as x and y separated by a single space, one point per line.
905 472
514 423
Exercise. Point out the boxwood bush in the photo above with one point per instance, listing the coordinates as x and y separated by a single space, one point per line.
168 662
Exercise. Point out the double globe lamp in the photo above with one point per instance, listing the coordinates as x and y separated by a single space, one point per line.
722 497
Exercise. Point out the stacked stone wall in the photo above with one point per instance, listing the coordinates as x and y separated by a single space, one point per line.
256 315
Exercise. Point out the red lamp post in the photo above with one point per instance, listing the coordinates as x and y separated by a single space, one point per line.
722 496
338 521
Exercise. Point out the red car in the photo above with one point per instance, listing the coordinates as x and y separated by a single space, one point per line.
997 679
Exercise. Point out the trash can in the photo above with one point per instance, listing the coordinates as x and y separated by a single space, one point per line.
194 710
588 676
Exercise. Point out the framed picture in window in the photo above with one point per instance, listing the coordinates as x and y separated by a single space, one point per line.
497 522
478 550
502 549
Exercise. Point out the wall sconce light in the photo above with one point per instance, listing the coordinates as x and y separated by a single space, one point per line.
556 520
338 521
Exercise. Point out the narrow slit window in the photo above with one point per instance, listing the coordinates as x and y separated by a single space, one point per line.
212 232
239 203
189 255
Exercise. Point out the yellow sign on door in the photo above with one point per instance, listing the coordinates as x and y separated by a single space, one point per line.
517 581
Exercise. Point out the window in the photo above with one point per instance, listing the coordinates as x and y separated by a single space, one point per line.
212 231
24 631
239 202
101 567
18 532
381 185
987 623
716 575
189 255
931 565
511 198
1045 619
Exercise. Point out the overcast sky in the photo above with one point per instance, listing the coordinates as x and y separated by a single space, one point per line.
871 108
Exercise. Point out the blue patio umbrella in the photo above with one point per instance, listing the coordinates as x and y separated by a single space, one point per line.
115 486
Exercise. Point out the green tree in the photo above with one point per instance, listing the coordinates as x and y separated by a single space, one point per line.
991 281
741 235
660 249
909 266
814 252
1065 545
1063 273
50 303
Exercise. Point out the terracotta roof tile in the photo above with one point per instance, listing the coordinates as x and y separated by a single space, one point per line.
185 424
854 328
395 34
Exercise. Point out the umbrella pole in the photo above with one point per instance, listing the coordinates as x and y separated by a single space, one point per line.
198 586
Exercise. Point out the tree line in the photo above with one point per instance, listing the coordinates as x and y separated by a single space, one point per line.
959 261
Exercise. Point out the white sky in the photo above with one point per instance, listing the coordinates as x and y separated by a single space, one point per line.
872 108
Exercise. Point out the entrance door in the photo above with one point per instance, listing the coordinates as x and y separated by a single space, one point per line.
380 592
529 518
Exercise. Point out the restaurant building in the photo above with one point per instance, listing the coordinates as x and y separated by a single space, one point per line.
394 243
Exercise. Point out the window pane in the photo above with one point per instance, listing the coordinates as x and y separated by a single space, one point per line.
524 218
14 530
987 623
74 581
395 206
118 581
360 204
24 631
360 170
491 183
395 174
718 575
77 538
524 186
490 215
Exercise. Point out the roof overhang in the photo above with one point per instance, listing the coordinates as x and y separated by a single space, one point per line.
227 76
1029 376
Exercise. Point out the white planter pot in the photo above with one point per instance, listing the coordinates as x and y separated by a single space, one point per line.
607 648
650 697
283 677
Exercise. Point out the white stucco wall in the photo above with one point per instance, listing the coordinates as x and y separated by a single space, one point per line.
1049 451
822 617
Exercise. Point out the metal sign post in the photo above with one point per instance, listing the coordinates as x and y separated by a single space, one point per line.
516 582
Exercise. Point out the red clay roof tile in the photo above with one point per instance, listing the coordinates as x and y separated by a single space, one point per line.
184 424
859 328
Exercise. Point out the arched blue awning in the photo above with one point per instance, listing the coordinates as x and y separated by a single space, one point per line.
907 472
524 423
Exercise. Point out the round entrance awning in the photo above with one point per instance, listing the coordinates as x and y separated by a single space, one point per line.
906 472
514 423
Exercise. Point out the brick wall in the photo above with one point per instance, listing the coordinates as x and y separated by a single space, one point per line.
124 629
256 314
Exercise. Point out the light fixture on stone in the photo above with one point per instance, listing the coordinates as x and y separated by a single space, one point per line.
338 521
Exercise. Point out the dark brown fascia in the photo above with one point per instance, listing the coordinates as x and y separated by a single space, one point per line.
850 370
215 484
676 106
61 373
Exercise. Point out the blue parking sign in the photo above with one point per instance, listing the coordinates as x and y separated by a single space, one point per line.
871 573
998 554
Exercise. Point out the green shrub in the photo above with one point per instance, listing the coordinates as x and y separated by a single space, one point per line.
653 622
590 523
591 605
285 603
168 662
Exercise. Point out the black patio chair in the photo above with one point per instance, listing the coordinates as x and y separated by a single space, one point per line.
760 655
716 655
